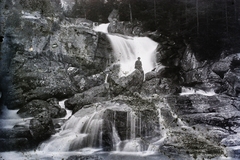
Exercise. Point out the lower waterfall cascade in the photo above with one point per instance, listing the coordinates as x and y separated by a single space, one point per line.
87 128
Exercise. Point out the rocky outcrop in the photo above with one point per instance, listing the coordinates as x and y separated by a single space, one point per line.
93 95
85 158
131 83
41 66
41 127
36 107
15 139
47 59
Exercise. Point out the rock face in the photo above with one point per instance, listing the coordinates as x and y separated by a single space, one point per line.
36 107
93 95
46 59
15 139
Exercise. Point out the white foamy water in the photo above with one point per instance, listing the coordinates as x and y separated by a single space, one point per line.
83 130
69 112
9 118
190 91
102 28
127 49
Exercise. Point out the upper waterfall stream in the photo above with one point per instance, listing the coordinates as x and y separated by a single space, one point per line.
127 49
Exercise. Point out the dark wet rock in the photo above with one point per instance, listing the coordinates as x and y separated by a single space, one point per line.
35 107
160 86
211 110
15 133
41 127
195 144
107 129
220 68
93 95
85 158
230 141
189 61
14 144
14 97
150 75
151 87
15 139
85 83
39 65
132 82
232 82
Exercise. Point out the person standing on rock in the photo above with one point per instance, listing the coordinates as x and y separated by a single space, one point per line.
138 64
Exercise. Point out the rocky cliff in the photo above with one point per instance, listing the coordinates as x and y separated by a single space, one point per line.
46 59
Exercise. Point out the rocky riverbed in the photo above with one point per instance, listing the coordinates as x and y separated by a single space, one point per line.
184 109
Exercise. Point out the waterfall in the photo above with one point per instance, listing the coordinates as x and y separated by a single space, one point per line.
127 49
90 127
94 127
106 78
69 112
133 127
82 130
9 118
190 91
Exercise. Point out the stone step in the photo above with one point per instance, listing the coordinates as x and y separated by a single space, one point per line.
233 152
15 139
6 133
15 144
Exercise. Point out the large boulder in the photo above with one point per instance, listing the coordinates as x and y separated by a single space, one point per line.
15 139
131 83
41 127
93 95
232 81
36 107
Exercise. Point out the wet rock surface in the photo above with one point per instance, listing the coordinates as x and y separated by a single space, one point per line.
46 60
41 127
36 107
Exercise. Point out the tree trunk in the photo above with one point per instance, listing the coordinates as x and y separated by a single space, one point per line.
226 16
130 10
155 13
197 13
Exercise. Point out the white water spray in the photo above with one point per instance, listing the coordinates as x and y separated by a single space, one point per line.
69 112
190 91
106 78
128 49
9 118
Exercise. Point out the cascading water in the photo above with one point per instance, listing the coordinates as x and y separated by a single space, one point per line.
82 130
128 49
10 118
86 128
190 91
95 127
